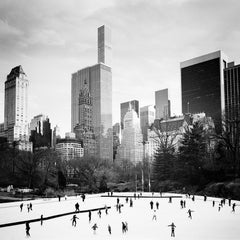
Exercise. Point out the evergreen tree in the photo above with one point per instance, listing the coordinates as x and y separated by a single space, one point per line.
192 153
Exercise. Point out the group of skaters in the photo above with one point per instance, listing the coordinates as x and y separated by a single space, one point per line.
118 208
29 207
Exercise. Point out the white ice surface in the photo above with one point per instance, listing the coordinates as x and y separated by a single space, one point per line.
207 222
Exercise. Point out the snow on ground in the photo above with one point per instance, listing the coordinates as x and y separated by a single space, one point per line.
207 222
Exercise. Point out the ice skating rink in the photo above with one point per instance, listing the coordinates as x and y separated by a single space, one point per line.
207 222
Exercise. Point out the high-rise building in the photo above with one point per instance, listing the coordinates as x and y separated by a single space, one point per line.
15 109
162 104
131 147
69 147
104 46
232 92
97 80
147 116
124 109
203 85
41 132
55 136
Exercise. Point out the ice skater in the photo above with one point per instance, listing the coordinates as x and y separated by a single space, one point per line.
89 216
154 216
205 198
77 207
123 227
170 200
106 209
213 203
190 213
41 220
193 198
74 220
94 227
151 205
131 203
109 229
83 197
126 199
21 207
233 207
27 229
229 202
157 205
99 213
30 206
172 229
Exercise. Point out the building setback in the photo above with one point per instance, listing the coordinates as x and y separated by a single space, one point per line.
97 79
202 85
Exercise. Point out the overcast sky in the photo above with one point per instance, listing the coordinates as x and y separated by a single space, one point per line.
52 39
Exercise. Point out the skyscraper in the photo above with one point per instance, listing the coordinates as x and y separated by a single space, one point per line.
124 109
131 147
104 46
232 92
147 116
97 79
41 132
16 109
162 104
203 85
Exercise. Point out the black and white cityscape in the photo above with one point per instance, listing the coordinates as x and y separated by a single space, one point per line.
119 119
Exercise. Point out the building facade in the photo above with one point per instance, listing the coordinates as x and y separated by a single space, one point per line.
16 109
124 109
232 92
162 104
97 80
55 136
202 85
147 117
41 132
131 147
70 148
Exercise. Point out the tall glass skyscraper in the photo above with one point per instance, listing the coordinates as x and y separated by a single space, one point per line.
203 85
98 80
162 104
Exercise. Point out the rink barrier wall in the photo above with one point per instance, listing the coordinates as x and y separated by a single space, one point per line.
131 196
49 217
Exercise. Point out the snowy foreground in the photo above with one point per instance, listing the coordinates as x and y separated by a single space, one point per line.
207 222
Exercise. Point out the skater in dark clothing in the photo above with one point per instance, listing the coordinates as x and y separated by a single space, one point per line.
27 229
151 204
106 209
131 203
41 220
219 207
109 229
94 227
193 198
99 213
157 205
205 198
172 229
30 206
229 202
184 203
124 229
126 199
118 200
181 203
59 198
83 197
190 213
21 207
74 222
119 208
89 216
213 203
77 207
170 200
233 207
